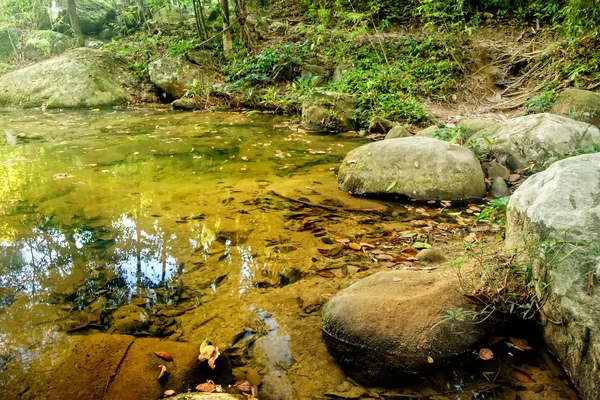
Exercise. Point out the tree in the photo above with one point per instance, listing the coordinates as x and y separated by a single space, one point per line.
199 17
227 41
75 23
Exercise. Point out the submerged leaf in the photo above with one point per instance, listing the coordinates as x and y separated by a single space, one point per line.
163 371
521 376
486 354
207 387
354 246
169 392
164 355
209 353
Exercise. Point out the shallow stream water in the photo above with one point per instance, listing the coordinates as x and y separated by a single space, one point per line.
212 224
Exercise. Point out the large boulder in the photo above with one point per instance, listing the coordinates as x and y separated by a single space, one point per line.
82 77
94 15
9 43
174 75
390 325
534 139
561 207
40 45
580 105
421 168
328 111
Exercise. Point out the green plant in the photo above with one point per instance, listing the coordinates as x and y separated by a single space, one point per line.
540 103
456 135
452 316
494 214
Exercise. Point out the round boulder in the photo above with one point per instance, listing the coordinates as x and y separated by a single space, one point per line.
421 168
558 211
174 75
534 139
581 105
391 325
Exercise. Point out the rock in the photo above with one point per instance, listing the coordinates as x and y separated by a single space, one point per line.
418 167
380 125
338 73
171 15
499 188
494 169
200 57
428 132
81 77
207 396
534 139
397 132
173 75
129 319
328 111
472 126
9 43
94 16
185 104
580 105
40 45
430 256
562 204
105 366
377 333
317 73
106 34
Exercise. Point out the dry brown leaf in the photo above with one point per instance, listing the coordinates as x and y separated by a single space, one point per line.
486 354
163 371
342 241
411 251
327 295
354 246
164 355
366 245
243 386
496 339
327 274
169 392
521 376
518 343
207 387
210 353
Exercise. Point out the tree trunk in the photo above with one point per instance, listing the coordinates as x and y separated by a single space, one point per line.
242 14
199 17
227 41
75 23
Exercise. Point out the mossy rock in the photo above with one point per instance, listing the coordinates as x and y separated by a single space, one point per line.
40 45
94 16
80 78
580 105
9 43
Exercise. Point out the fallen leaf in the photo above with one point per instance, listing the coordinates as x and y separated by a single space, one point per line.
396 279
429 360
342 241
486 354
164 355
354 246
244 386
410 251
366 245
518 343
327 295
326 274
521 376
416 164
163 371
169 392
207 387
209 353
390 186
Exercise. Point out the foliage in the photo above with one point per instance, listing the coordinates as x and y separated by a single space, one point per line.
540 103
495 214
456 135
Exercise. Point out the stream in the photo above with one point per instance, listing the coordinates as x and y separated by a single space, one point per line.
217 226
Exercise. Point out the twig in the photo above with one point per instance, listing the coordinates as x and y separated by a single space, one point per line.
118 369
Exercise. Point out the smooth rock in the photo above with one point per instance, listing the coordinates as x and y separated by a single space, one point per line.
79 78
380 329
499 188
173 75
494 169
534 139
129 319
398 131
185 104
472 126
428 132
430 256
94 16
328 111
380 125
561 205
418 167
580 105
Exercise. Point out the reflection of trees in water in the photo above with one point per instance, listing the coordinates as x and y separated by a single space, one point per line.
78 263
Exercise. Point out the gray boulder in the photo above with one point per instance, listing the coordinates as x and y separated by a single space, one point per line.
377 334
380 125
418 167
82 77
328 111
430 131
397 132
94 15
472 126
40 45
499 188
534 139
562 206
580 105
9 43
173 75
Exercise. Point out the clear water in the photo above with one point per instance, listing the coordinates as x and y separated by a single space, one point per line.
184 215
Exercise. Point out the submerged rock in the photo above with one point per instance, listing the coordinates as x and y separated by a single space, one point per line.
534 139
40 45
580 105
82 77
562 206
328 111
174 75
384 327
418 167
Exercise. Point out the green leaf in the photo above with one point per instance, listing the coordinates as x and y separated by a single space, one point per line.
421 245
390 186
203 345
